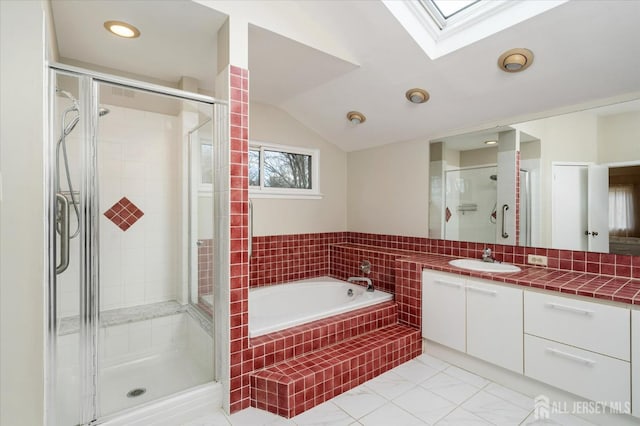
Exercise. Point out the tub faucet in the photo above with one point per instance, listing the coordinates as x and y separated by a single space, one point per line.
362 280
487 256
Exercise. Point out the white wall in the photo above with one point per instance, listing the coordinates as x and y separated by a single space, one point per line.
388 189
299 216
619 138
22 130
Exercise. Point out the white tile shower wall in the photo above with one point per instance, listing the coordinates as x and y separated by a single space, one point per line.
138 154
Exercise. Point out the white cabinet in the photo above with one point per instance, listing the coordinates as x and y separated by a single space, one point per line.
443 309
589 325
494 324
585 373
473 316
635 362
580 346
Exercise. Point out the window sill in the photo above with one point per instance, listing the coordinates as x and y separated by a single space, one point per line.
288 196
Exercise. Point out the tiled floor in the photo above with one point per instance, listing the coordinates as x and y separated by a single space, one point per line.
424 391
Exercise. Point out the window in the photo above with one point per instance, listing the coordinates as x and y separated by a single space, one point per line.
443 10
283 171
621 210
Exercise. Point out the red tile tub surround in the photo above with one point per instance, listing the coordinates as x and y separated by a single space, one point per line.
299 340
345 262
241 364
282 258
296 385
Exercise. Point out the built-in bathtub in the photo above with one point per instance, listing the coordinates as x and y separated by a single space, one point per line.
281 306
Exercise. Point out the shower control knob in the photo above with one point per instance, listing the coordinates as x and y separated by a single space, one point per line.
594 233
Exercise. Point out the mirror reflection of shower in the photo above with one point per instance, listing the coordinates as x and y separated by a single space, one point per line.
67 197
470 204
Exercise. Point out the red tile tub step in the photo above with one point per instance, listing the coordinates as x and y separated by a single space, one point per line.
301 383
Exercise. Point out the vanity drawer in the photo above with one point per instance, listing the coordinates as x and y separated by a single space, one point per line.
593 326
587 374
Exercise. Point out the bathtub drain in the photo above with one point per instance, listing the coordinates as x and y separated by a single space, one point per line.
136 392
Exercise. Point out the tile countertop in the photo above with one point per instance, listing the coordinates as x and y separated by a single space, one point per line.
617 289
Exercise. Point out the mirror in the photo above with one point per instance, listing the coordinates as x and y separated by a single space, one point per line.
570 181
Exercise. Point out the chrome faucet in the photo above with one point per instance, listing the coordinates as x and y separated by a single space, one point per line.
487 256
362 280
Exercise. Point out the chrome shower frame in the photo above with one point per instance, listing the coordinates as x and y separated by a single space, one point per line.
88 236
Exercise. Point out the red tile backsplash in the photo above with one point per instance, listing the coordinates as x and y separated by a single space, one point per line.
124 213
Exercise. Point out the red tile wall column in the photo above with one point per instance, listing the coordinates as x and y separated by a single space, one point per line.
241 363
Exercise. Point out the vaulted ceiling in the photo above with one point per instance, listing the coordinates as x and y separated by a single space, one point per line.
583 51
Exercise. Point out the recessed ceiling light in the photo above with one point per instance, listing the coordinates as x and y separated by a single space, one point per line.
491 142
122 29
356 117
417 95
515 60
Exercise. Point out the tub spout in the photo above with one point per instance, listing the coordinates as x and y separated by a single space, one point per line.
362 280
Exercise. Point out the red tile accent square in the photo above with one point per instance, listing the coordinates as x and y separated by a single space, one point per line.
124 213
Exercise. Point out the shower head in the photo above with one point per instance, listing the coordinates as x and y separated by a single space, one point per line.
102 111
494 177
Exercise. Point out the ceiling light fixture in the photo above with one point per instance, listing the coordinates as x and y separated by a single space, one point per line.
356 117
491 142
122 29
417 95
515 60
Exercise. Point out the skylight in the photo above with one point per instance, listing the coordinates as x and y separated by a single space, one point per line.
445 9
443 26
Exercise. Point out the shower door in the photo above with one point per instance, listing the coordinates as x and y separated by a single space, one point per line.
121 331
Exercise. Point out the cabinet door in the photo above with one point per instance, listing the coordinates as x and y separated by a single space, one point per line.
443 309
635 362
494 324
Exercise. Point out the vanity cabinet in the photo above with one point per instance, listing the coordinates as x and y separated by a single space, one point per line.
494 324
443 309
579 346
473 316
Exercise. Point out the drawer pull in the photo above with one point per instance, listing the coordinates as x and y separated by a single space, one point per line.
570 356
482 290
569 309
448 284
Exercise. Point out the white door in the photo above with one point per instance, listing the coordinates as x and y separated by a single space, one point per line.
569 207
598 210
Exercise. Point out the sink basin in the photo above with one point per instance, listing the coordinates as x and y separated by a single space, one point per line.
479 265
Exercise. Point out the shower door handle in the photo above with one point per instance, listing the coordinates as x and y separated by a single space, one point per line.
505 207
63 205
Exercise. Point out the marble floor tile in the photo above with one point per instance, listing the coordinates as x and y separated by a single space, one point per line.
424 404
461 417
451 388
465 376
517 398
390 414
359 401
495 410
325 414
432 362
390 385
415 371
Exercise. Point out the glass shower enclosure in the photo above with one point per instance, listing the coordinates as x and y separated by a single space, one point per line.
125 326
